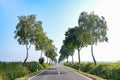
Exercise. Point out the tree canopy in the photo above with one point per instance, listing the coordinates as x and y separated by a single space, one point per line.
30 32
91 29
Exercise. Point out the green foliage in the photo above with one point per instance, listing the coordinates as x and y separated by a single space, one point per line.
29 31
75 38
45 65
10 71
32 66
41 60
3 76
109 71
86 66
96 26
13 70
51 52
25 29
91 29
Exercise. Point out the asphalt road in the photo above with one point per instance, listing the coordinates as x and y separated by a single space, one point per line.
59 72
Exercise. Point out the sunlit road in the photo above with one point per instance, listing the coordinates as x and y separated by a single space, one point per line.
59 72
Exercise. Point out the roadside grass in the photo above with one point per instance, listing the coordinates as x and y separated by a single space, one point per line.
26 77
106 70
93 77
13 70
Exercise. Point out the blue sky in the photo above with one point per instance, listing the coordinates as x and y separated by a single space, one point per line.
57 16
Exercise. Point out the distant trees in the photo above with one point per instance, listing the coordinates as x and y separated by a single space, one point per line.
30 32
51 53
91 29
64 52
75 38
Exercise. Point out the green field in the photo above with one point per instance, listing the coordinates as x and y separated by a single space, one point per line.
13 70
108 71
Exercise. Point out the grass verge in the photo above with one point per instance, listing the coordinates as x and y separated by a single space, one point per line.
93 77
26 77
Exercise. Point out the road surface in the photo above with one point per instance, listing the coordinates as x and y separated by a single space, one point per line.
59 72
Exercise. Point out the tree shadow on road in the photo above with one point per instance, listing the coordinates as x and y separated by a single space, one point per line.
51 72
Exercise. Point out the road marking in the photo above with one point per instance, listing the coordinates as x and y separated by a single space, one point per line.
59 75
58 72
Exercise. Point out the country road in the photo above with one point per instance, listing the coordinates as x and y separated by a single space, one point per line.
59 72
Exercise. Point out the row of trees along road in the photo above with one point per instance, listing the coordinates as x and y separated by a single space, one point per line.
91 29
30 32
